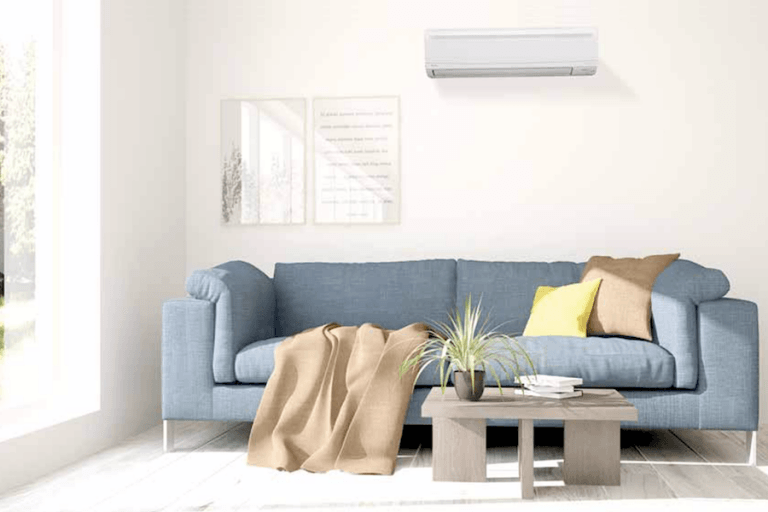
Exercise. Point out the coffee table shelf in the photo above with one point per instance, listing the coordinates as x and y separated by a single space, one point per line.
592 444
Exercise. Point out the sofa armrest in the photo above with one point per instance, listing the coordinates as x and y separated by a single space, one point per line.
244 299
677 291
728 365
187 350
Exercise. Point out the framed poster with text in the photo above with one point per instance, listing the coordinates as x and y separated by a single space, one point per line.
357 160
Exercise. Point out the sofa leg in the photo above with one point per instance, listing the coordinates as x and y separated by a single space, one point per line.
752 447
167 435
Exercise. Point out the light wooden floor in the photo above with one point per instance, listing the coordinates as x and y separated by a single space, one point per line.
661 469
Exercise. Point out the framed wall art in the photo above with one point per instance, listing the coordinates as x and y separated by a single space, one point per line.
357 160
262 160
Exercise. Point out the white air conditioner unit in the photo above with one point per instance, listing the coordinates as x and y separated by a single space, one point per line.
510 52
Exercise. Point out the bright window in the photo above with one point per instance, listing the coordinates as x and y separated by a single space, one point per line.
49 172
24 357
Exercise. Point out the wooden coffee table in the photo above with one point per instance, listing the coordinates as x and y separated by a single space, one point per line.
592 434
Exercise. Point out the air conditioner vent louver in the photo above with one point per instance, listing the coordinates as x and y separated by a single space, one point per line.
510 52
475 73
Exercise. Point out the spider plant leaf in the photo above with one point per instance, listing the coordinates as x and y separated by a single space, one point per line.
496 377
526 356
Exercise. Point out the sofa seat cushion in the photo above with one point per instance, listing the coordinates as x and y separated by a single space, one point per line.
601 362
256 362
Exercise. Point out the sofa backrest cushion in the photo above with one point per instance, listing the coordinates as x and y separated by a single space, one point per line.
391 294
507 288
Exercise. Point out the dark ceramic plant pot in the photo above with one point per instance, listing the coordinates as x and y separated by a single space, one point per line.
462 382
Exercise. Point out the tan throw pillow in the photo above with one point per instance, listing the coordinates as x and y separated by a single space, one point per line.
623 302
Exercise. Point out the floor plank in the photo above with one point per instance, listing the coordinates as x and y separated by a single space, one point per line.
228 489
675 469
686 472
728 451
639 480
166 485
661 446
715 445
81 485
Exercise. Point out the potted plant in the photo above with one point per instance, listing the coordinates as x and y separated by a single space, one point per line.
467 346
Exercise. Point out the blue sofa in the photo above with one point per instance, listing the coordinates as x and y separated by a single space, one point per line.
699 372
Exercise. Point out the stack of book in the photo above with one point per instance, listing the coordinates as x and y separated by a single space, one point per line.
550 386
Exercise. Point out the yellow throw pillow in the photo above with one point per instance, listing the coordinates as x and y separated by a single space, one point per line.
562 311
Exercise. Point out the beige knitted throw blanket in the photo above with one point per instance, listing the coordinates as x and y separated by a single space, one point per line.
336 400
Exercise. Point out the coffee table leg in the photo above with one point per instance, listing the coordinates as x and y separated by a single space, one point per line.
525 456
458 449
592 452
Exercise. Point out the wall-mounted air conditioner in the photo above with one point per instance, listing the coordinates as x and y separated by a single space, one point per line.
510 52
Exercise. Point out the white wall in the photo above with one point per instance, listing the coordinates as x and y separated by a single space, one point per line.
142 232
663 150
143 198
